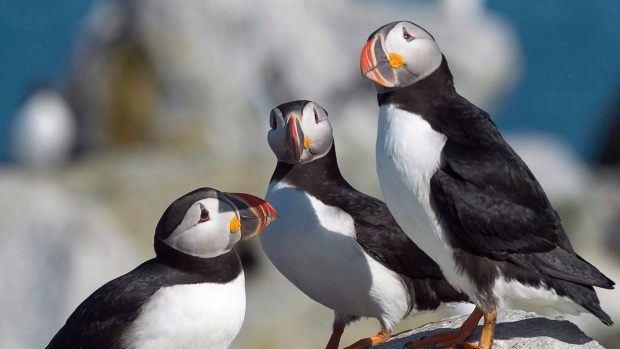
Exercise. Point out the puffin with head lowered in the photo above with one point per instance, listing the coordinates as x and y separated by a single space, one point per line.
462 193
340 247
191 295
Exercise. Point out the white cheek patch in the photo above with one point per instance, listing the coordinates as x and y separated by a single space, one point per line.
275 139
321 137
207 239
421 56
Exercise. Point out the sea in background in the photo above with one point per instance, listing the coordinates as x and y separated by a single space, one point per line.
570 80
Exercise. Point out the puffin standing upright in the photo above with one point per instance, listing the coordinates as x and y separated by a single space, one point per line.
191 295
462 194
340 247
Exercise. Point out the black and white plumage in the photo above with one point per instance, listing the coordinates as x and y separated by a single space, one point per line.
191 295
340 247
460 191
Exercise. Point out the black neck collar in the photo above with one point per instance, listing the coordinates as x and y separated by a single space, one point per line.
429 90
320 178
220 269
323 170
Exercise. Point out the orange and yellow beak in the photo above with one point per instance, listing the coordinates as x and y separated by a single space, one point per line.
252 214
294 137
376 64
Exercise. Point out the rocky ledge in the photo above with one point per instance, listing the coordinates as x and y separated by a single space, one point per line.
515 329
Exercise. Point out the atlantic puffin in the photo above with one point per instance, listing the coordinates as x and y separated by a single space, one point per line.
191 295
462 193
340 247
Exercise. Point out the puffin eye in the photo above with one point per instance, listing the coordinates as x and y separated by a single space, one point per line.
316 116
406 35
204 214
272 121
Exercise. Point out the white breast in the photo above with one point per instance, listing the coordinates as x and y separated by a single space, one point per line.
204 315
408 154
313 245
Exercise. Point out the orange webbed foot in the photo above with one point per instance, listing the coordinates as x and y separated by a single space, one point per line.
369 342
450 338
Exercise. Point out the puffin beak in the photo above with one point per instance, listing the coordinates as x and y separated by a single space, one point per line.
375 64
294 137
253 214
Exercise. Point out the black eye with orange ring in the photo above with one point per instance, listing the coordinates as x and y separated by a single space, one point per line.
316 116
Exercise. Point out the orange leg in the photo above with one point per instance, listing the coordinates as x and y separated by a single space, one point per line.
450 338
334 340
488 330
369 342
486 337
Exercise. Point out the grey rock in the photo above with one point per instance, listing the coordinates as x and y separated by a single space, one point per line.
56 248
515 329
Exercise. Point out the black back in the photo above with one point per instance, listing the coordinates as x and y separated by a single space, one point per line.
101 319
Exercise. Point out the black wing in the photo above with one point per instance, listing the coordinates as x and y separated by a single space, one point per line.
493 206
377 232
382 238
100 320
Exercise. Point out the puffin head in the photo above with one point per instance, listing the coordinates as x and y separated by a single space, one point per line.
399 54
300 132
207 223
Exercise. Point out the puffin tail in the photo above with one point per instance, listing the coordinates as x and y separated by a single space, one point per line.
572 276
428 294
594 307
563 265
601 315
446 293
607 282
585 296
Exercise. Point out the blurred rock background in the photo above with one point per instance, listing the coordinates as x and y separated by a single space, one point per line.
111 109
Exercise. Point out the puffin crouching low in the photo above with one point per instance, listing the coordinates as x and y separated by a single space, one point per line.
191 295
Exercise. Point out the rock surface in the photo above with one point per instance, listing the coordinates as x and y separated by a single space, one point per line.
515 329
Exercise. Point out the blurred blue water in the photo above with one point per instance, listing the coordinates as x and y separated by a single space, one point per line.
572 53
572 69
35 41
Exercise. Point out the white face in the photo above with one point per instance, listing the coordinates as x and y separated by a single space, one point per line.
400 56
300 132
205 231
